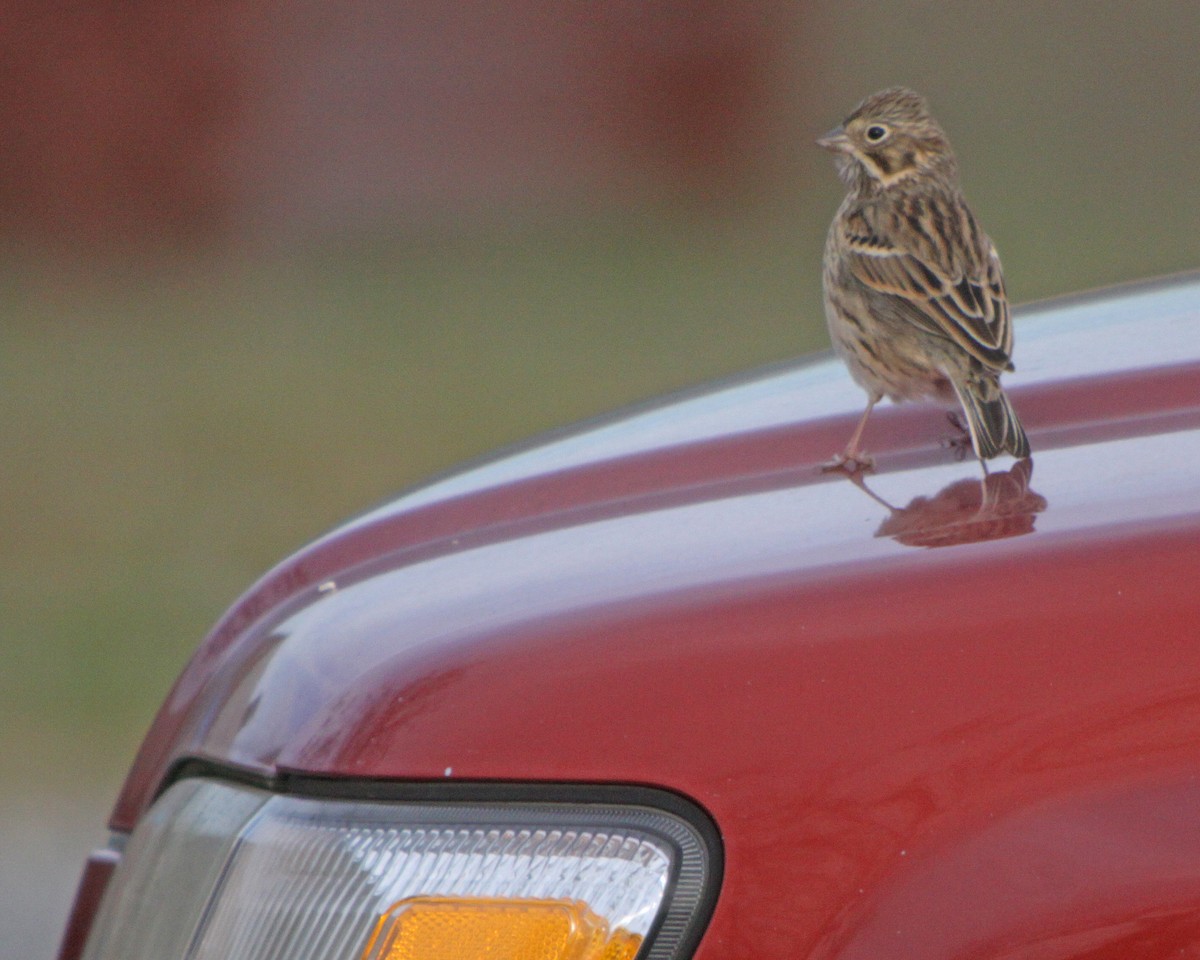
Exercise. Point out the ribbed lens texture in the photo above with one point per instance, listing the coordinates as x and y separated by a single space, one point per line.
307 885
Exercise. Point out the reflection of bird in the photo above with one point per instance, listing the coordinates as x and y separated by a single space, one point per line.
914 296
966 511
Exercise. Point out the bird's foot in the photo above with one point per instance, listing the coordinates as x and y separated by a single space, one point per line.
850 462
960 443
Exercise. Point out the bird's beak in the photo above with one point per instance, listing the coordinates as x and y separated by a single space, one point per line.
835 141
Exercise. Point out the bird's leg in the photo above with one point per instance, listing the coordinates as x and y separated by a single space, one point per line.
854 448
854 459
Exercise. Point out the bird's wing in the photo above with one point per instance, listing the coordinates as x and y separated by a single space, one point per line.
941 268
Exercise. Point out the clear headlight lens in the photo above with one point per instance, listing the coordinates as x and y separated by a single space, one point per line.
216 870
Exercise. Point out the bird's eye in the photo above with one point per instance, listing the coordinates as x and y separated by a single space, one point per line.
876 132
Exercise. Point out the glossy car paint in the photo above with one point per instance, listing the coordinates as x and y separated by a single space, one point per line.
933 715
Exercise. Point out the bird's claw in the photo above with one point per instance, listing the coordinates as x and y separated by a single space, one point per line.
849 462
961 443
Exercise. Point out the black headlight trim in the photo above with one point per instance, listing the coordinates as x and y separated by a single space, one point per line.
696 878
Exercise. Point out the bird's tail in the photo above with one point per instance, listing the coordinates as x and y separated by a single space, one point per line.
992 420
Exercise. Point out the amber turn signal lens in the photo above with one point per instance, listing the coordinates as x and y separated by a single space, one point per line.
481 928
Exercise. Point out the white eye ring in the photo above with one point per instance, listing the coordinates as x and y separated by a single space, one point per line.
876 132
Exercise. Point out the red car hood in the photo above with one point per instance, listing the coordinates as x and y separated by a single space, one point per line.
677 596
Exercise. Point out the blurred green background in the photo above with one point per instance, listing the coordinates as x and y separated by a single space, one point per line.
236 309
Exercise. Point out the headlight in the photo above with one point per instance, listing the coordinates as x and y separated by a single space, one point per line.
216 870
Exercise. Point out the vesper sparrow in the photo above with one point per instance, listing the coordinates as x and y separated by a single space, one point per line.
914 296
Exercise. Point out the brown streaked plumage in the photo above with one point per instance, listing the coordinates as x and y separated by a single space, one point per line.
914 294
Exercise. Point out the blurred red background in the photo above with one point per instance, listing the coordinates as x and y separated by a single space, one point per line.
142 123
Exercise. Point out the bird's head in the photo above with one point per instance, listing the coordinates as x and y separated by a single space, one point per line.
889 138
